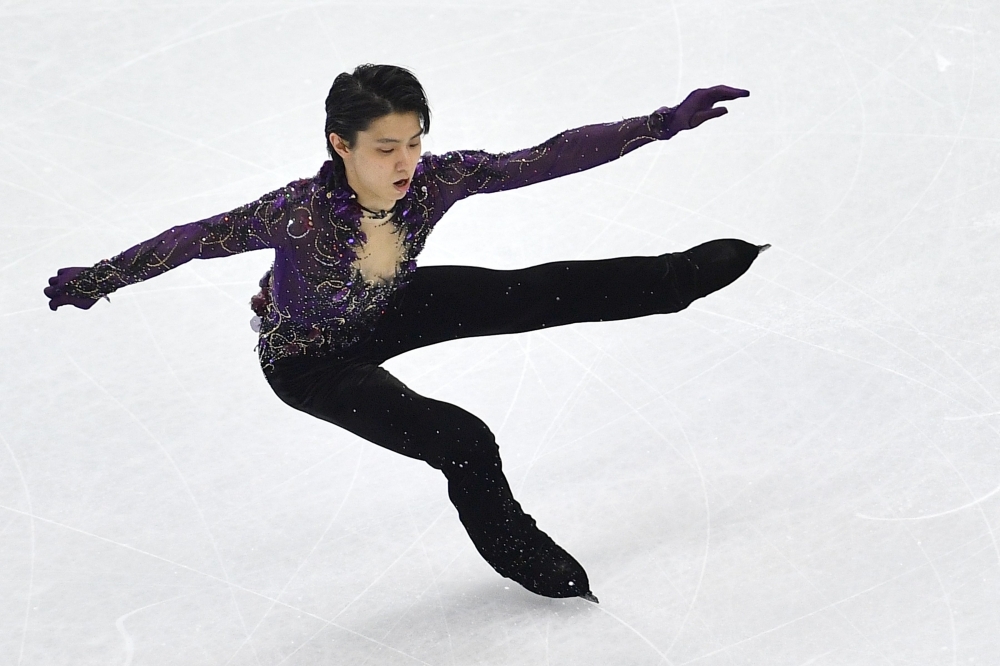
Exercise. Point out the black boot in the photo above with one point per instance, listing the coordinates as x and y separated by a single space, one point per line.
709 267
510 541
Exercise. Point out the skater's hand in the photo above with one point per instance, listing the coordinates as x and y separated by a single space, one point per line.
55 290
697 107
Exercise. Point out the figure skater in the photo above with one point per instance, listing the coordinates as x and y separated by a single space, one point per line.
344 293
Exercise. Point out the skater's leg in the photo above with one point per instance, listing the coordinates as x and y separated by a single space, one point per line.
368 401
450 302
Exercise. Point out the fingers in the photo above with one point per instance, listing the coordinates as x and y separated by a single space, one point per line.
725 93
57 298
699 105
52 291
701 116
82 303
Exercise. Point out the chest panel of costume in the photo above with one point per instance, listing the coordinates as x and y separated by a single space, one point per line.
380 251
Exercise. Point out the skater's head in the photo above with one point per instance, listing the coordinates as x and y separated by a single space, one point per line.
375 117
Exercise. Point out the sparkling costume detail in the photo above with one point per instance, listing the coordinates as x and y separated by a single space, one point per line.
317 300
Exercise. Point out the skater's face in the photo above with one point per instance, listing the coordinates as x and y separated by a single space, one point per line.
381 162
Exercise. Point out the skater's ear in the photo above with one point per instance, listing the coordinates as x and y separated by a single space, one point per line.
341 147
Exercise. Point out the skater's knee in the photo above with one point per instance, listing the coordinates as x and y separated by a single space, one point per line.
464 443
470 454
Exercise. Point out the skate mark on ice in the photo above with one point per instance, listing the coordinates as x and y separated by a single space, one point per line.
305 559
614 219
45 195
944 592
965 113
36 250
333 623
548 628
815 659
568 399
908 214
971 416
401 617
885 70
816 588
834 113
105 74
31 566
206 575
864 118
859 359
782 625
120 625
229 515
695 464
163 357
979 505
525 351
187 490
912 570
381 575
961 547
932 515
432 585
635 631
708 534
914 357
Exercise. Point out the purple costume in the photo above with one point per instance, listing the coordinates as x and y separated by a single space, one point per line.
318 301
325 330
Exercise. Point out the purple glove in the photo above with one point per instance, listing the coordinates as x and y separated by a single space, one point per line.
55 290
697 106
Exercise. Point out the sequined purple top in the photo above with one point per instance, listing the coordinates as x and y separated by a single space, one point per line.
318 300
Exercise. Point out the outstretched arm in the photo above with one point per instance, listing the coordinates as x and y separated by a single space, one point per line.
462 173
249 227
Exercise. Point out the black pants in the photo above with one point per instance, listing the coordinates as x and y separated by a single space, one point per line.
443 303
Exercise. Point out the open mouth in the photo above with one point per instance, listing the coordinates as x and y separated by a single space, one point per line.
402 184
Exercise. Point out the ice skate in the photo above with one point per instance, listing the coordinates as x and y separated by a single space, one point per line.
510 541
709 267
533 560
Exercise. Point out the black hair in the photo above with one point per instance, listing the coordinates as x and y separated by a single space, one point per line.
366 94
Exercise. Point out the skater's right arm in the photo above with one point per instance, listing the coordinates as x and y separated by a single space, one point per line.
250 227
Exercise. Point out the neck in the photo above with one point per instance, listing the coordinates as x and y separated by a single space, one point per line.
375 205
366 199
373 214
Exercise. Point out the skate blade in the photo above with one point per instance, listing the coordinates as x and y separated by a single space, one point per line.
589 596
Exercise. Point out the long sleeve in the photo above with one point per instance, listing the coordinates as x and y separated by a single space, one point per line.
456 175
253 226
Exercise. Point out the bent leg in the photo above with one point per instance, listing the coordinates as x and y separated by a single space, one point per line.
450 302
368 401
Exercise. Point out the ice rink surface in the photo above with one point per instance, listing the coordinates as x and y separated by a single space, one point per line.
803 468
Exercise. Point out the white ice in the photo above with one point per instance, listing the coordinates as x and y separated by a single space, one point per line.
801 469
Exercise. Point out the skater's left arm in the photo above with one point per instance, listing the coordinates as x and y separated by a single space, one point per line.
459 174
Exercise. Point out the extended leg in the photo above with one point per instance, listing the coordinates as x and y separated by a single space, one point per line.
371 403
451 302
